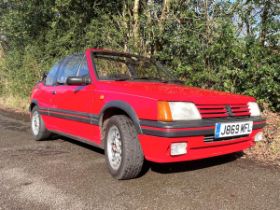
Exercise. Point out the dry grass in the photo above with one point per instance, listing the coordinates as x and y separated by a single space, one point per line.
269 149
16 104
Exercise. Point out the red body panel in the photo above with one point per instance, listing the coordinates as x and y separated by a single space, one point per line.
157 149
142 98
76 99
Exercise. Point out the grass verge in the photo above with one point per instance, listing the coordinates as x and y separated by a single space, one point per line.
14 103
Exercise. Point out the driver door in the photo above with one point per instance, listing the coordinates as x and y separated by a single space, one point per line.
73 104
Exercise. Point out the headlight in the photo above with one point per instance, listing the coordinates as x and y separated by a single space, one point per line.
254 109
169 111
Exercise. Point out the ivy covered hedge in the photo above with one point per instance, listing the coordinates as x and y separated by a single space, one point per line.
225 45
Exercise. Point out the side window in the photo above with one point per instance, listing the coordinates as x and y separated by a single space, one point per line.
69 67
51 78
83 69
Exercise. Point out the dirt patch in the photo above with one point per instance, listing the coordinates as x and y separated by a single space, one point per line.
14 113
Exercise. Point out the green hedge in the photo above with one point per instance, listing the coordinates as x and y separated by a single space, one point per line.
206 47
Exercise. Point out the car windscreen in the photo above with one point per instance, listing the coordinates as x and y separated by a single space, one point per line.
129 67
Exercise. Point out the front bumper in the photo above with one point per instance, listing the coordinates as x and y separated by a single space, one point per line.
158 136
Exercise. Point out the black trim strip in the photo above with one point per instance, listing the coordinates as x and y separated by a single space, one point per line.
170 134
258 126
71 115
166 132
70 112
197 123
186 133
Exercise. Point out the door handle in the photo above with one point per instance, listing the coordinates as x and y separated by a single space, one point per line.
53 92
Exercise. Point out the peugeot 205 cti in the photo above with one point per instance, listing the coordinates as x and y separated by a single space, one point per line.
135 109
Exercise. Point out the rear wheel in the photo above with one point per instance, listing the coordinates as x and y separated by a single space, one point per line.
124 156
38 127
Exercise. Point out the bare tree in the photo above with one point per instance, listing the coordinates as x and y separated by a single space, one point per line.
136 20
164 12
264 22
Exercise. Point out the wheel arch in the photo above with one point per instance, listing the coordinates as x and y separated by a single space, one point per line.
119 107
33 103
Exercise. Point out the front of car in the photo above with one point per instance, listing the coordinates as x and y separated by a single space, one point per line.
178 122
189 130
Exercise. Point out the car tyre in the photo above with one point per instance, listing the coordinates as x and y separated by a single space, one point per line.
38 128
123 152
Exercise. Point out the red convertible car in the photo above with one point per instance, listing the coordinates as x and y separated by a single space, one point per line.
134 108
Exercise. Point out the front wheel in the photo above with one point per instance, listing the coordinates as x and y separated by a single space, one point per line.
124 156
38 127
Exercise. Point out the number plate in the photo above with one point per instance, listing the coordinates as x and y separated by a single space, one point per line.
233 129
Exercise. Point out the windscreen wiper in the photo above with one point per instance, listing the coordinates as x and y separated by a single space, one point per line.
148 78
159 80
174 81
121 79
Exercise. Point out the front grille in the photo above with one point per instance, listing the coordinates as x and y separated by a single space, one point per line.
220 111
240 110
212 138
212 111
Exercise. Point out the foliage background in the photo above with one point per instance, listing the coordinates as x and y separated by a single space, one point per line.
225 45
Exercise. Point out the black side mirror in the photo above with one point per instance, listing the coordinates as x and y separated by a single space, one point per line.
78 80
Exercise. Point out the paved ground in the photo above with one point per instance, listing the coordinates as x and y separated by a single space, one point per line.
64 174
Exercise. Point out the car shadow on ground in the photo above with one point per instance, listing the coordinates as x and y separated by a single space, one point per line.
165 168
194 165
